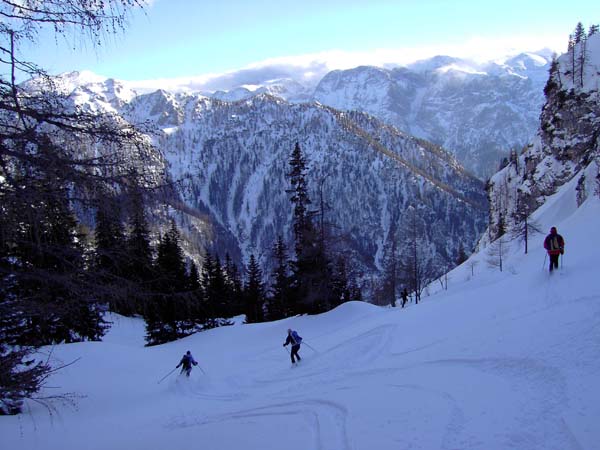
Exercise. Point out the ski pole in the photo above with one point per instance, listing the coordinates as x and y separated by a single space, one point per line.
544 266
160 381
201 370
310 346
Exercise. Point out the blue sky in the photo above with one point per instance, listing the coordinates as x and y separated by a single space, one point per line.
179 38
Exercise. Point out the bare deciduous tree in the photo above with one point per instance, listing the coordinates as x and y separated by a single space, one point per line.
523 227
497 253
415 267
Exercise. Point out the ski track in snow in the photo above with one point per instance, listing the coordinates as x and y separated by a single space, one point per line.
326 420
541 391
457 418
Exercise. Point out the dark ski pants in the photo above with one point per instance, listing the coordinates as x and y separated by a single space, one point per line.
186 370
294 352
554 262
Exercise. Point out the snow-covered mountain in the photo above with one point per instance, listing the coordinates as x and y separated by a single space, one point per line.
229 161
499 360
567 145
477 111
286 88
232 160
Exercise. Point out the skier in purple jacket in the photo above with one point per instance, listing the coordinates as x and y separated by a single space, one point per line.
295 340
186 363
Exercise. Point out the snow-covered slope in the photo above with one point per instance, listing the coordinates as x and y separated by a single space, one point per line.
500 360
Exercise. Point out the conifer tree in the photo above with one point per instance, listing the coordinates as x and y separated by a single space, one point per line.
311 278
340 286
461 256
139 264
215 291
48 272
254 292
279 305
579 33
197 308
193 283
554 82
169 316
233 288
571 52
302 224
110 258
170 262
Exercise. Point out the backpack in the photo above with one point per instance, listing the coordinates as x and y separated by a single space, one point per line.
296 338
554 243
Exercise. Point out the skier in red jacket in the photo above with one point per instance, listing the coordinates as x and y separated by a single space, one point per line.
555 246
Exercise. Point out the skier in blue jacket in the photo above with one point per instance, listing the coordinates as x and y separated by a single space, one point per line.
295 340
186 363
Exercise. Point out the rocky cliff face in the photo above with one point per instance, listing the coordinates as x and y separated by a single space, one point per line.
567 145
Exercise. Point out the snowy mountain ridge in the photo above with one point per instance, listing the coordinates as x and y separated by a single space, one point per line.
449 101
478 112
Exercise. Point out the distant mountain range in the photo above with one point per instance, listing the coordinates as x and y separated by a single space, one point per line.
477 111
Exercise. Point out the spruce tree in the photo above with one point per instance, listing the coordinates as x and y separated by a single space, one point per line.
311 278
110 258
579 33
169 316
279 305
139 264
254 292
233 288
47 264
197 315
215 291
340 285
461 256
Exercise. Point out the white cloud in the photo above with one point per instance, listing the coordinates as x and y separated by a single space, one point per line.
310 68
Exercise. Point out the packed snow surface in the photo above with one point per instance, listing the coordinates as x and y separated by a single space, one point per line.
499 360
